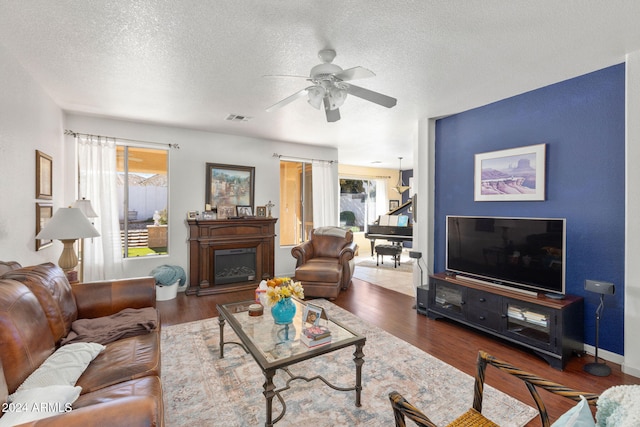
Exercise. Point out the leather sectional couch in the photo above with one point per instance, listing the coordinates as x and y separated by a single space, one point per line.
120 386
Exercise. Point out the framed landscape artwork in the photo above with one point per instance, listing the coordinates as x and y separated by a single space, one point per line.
229 185
515 174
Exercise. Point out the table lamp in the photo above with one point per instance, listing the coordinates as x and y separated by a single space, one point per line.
68 225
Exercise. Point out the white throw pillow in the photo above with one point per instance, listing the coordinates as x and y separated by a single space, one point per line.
63 367
37 403
578 416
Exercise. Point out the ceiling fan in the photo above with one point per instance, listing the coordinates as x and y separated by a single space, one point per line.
330 87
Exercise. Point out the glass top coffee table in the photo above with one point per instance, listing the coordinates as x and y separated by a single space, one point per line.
276 347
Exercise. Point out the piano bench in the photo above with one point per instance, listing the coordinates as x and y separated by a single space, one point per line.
393 250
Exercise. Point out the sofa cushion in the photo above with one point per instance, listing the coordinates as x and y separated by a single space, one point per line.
25 337
50 285
63 367
38 403
123 360
147 386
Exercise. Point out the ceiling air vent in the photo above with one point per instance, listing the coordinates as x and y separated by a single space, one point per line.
237 118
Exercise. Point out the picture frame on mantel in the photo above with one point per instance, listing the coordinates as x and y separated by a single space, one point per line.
516 174
229 185
44 176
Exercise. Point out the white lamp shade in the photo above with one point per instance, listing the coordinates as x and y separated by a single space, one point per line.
68 223
85 206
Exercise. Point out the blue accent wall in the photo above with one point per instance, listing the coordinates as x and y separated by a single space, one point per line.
582 123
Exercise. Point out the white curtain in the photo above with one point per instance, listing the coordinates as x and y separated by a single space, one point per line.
382 201
102 256
326 190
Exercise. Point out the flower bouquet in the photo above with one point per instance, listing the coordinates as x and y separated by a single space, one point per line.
280 288
279 293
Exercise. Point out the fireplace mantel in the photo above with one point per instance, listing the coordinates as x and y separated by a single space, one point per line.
207 236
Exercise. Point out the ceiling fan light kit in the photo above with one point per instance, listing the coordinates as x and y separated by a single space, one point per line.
329 87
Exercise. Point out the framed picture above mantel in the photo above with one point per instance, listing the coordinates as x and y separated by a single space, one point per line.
229 185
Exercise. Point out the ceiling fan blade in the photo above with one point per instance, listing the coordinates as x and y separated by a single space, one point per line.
354 73
332 115
285 75
288 100
369 95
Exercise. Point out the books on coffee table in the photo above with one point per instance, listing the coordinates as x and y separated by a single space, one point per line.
313 336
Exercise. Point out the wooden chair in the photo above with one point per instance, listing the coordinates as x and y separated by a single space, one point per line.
474 417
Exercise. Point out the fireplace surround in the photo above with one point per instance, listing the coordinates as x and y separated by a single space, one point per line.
246 243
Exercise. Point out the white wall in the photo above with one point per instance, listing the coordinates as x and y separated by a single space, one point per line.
187 176
29 121
631 363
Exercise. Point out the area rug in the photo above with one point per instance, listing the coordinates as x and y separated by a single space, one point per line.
200 389
404 266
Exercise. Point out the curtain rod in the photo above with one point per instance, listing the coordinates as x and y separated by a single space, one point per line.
76 134
281 157
363 176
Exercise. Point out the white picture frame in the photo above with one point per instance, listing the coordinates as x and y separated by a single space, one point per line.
312 315
516 174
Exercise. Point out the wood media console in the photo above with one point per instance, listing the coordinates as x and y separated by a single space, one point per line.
552 328
229 255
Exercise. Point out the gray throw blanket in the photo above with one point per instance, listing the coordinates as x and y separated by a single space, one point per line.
126 323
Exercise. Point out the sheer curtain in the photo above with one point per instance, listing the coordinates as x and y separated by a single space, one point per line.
325 188
382 201
102 256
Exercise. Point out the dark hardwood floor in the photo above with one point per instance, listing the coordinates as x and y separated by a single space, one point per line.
448 341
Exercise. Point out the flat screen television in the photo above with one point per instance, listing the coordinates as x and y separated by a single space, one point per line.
523 253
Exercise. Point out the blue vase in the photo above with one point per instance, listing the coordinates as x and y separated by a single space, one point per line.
283 312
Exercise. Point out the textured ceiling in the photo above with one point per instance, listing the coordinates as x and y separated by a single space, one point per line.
191 63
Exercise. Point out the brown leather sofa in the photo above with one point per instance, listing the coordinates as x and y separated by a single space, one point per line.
121 386
324 263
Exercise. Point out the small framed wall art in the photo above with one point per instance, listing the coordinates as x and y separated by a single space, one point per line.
44 212
510 175
44 176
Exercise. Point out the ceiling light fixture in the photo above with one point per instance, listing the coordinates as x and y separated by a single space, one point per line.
316 93
400 187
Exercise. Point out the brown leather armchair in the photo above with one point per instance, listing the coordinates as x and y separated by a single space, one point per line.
324 263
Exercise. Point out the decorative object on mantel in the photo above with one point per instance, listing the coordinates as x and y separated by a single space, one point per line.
269 206
279 293
68 225
261 211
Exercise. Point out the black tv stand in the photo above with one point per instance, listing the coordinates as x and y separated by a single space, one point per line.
553 328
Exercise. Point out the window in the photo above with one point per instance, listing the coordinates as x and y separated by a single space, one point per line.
143 195
296 202
357 203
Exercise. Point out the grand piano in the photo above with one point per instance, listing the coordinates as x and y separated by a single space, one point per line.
392 233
